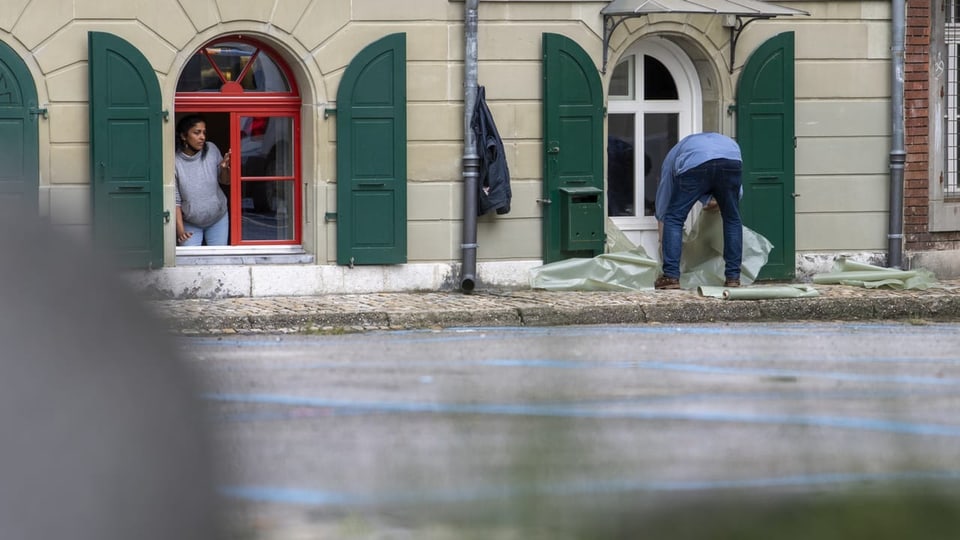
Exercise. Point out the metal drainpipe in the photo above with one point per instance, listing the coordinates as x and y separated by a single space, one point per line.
471 161
898 155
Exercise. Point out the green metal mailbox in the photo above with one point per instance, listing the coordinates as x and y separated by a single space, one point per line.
582 221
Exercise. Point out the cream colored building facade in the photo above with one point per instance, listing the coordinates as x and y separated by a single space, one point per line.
842 122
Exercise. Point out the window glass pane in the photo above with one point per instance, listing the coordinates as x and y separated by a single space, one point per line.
265 76
660 134
267 211
657 81
231 57
199 76
620 164
621 82
266 146
950 186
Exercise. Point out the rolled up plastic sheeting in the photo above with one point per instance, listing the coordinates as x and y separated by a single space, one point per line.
846 272
759 293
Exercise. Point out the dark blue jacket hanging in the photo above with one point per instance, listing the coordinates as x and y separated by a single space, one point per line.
493 185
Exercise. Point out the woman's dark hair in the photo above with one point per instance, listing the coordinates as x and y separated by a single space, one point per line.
184 125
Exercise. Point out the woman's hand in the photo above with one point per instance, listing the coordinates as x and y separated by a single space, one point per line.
182 234
224 176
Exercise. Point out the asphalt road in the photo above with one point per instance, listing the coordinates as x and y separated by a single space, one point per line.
826 430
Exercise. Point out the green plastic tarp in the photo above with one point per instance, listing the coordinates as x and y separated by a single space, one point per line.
701 262
846 272
627 267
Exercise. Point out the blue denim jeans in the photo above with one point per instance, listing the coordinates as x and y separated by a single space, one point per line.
720 178
214 235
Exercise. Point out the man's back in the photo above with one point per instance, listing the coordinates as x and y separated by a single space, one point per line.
699 148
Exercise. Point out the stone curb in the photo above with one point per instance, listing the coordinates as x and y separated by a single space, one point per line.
558 309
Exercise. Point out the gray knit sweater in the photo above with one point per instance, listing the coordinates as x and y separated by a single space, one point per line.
198 192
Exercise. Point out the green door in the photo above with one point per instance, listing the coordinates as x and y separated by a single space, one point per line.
765 131
372 156
572 201
19 135
126 153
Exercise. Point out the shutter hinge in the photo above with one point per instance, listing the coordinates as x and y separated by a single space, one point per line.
327 111
330 216
166 115
166 216
38 111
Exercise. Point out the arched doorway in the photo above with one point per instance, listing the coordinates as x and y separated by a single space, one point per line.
654 101
251 104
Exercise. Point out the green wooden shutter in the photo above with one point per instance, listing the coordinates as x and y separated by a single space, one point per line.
19 134
126 153
372 156
765 131
573 217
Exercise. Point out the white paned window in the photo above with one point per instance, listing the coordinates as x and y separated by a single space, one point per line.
654 101
951 186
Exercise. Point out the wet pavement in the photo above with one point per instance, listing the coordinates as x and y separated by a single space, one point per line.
519 308
746 431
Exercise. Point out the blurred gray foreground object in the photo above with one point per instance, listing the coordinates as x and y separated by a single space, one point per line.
103 437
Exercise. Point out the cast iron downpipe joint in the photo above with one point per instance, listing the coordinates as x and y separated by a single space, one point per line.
471 161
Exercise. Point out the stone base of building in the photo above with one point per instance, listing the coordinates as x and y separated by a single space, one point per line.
944 264
265 280
809 264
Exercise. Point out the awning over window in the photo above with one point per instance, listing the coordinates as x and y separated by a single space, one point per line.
742 12
750 8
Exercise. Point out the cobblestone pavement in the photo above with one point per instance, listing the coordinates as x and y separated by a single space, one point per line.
358 312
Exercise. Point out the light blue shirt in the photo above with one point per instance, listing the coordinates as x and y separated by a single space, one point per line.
692 151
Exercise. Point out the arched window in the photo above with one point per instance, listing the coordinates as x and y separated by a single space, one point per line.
250 101
654 101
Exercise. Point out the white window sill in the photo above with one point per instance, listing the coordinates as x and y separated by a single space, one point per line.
242 255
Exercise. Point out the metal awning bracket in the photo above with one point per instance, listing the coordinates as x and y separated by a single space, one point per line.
737 23
736 15
610 23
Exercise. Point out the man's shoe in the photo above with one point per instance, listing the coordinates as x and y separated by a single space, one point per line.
732 283
664 282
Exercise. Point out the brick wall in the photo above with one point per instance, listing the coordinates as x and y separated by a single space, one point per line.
917 236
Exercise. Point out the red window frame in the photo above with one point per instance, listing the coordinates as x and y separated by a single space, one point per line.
235 101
